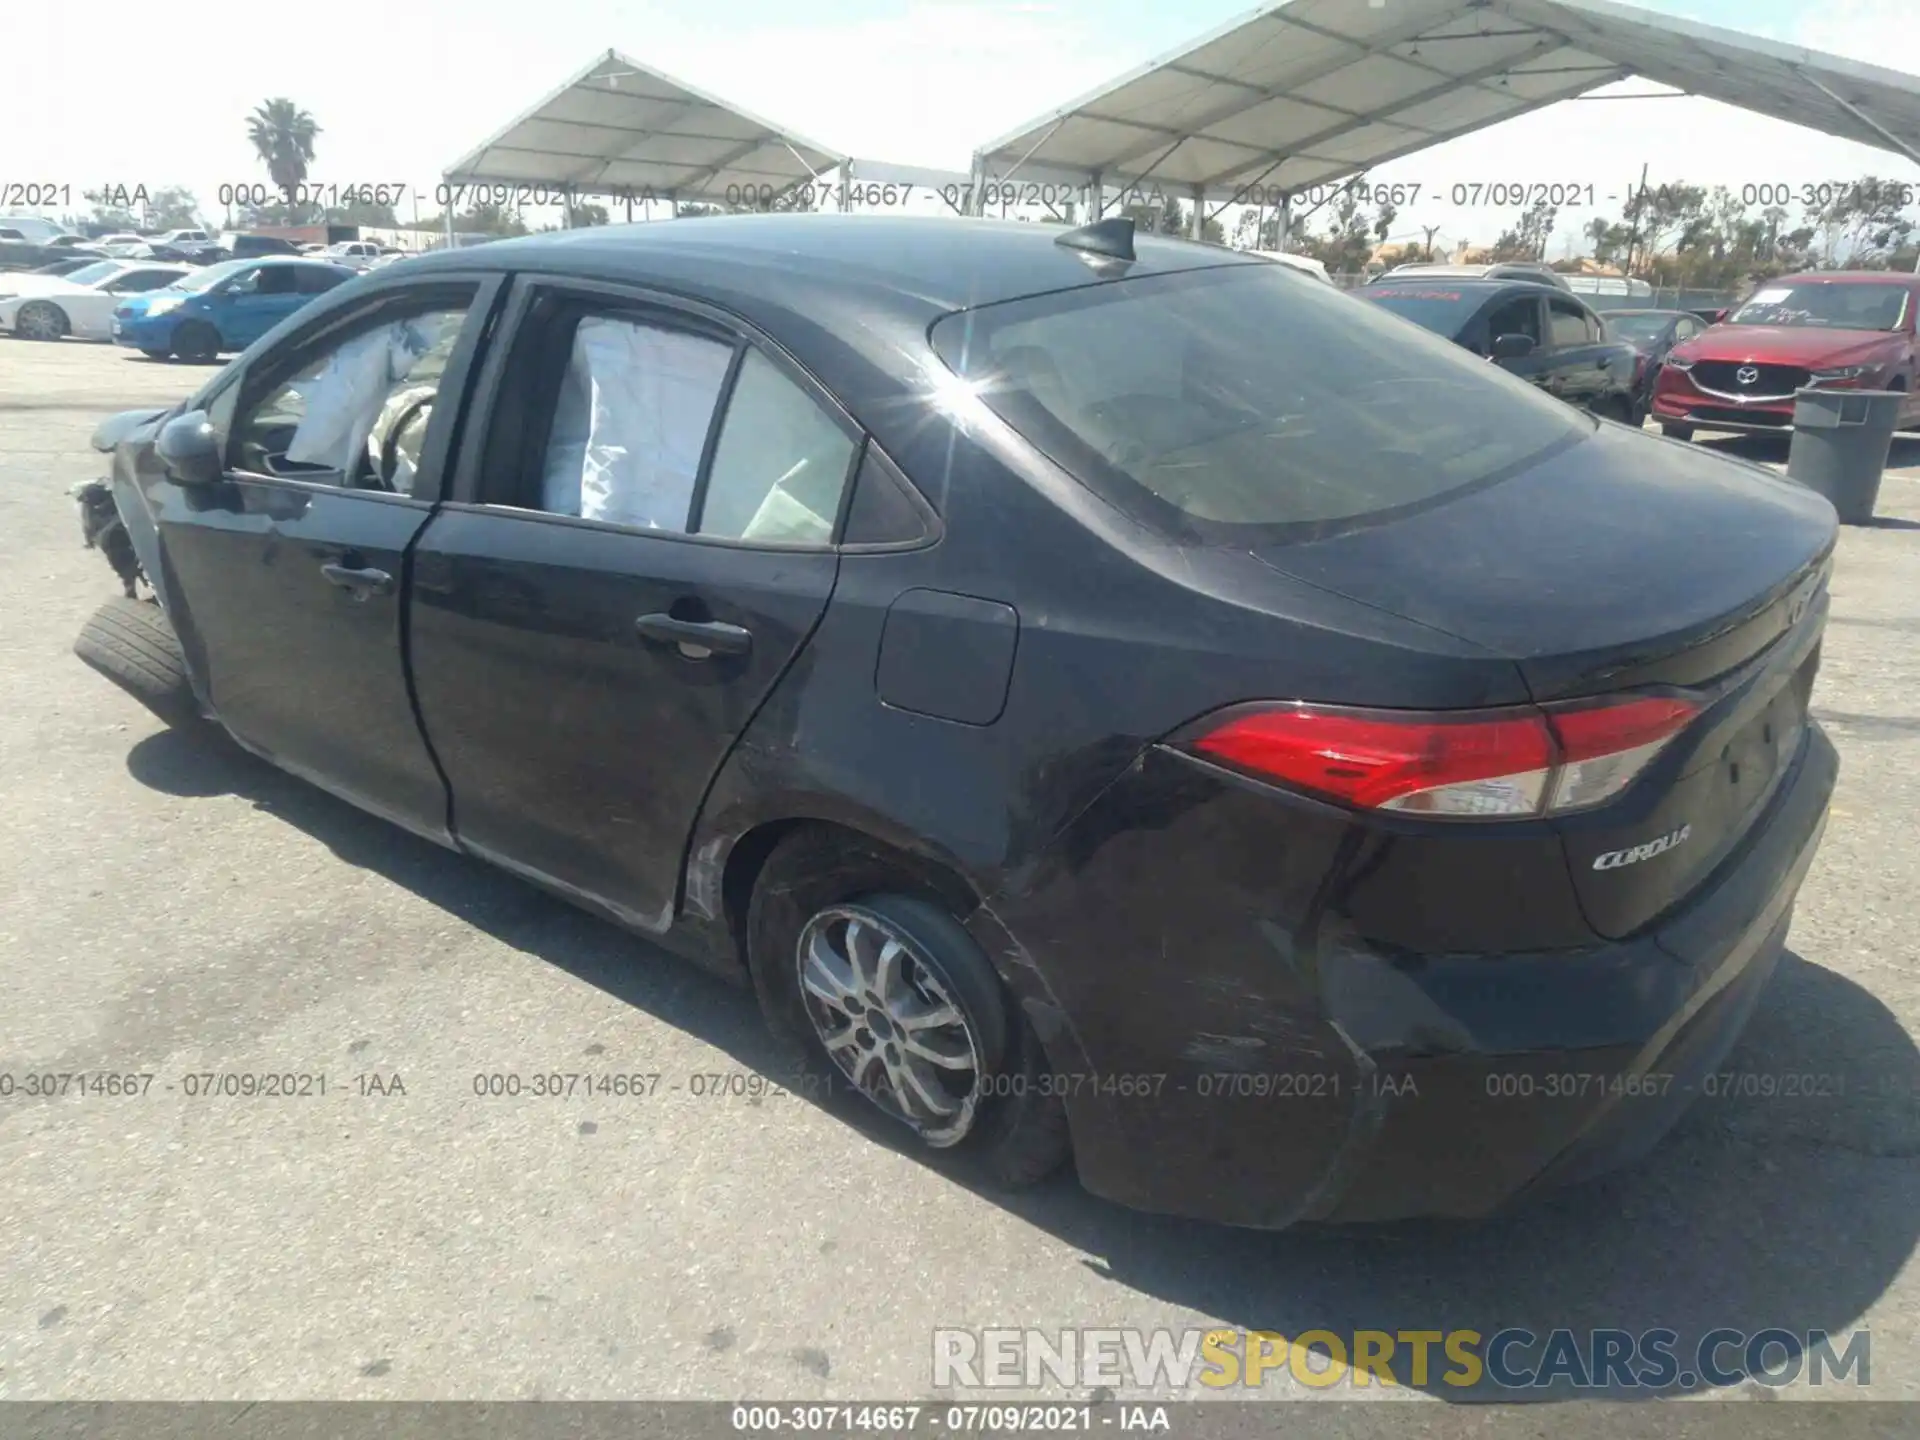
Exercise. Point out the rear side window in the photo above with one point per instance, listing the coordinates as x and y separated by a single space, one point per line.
781 465
1570 324
1244 399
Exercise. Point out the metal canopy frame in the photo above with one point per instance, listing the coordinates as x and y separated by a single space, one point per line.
1310 93
622 129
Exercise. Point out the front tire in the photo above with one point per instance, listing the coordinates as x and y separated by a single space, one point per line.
41 320
132 643
889 998
1676 432
196 342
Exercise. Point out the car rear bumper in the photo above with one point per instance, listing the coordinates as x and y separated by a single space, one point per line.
1303 1074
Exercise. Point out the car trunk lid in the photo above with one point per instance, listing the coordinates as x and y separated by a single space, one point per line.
1624 564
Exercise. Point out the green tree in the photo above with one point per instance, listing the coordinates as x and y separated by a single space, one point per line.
109 211
1347 244
363 213
173 207
1527 240
583 215
282 135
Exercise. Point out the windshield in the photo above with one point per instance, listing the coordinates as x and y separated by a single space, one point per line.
98 270
1223 401
1830 304
209 277
1638 327
1439 309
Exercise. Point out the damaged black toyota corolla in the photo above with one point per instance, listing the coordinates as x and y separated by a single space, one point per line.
1133 704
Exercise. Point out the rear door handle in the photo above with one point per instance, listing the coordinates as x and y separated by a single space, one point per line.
715 636
361 582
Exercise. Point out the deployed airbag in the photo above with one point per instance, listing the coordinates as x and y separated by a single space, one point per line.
632 422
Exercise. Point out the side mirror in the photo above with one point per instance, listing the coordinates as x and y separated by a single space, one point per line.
1512 347
189 449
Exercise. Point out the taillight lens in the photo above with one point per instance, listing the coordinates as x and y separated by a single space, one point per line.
1482 764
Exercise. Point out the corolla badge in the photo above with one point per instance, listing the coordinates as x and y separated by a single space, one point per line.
1747 375
1614 859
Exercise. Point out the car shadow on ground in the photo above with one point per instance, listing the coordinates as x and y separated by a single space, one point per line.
1787 1205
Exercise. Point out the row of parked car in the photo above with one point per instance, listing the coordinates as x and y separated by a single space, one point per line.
1735 370
1682 368
27 245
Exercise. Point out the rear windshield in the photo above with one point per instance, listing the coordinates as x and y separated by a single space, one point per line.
1248 398
1433 305
1637 327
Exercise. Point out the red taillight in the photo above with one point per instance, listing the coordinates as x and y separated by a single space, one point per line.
1514 762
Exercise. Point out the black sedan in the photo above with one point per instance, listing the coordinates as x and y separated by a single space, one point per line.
1652 333
1537 332
1108 698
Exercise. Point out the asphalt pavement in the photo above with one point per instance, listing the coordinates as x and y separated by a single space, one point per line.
173 908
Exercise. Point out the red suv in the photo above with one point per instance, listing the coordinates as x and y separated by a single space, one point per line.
1848 329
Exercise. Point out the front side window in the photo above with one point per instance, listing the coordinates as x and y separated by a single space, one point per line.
1516 317
356 412
1570 327
1236 402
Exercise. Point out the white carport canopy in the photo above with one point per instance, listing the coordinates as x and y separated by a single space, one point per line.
621 129
1315 91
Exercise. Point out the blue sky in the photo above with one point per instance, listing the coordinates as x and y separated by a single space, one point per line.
402 90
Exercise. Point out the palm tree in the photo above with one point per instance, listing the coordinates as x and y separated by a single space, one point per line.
282 135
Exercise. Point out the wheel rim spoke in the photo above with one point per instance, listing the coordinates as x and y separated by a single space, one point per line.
827 975
954 1055
886 1021
928 1091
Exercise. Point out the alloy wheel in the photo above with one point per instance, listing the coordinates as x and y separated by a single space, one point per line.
888 1022
40 322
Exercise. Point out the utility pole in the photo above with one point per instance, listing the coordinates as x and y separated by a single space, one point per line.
1633 239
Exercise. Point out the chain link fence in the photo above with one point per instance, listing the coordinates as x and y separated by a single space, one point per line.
1658 297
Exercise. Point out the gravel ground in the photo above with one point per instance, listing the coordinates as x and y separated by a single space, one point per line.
173 906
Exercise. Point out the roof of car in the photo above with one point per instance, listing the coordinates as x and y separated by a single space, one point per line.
1475 283
799 259
1648 310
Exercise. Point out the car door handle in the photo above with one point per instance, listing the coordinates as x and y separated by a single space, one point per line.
362 582
714 635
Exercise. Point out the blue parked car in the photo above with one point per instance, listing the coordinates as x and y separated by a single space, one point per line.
222 307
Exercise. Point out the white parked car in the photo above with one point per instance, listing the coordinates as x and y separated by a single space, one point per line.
1304 263
80 304
355 254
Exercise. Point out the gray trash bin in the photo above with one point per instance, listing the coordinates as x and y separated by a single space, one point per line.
1840 444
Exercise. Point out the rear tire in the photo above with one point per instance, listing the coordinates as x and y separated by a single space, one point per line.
1676 432
41 320
196 342
132 643
1013 1129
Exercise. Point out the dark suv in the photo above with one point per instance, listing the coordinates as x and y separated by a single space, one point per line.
1504 270
1543 335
